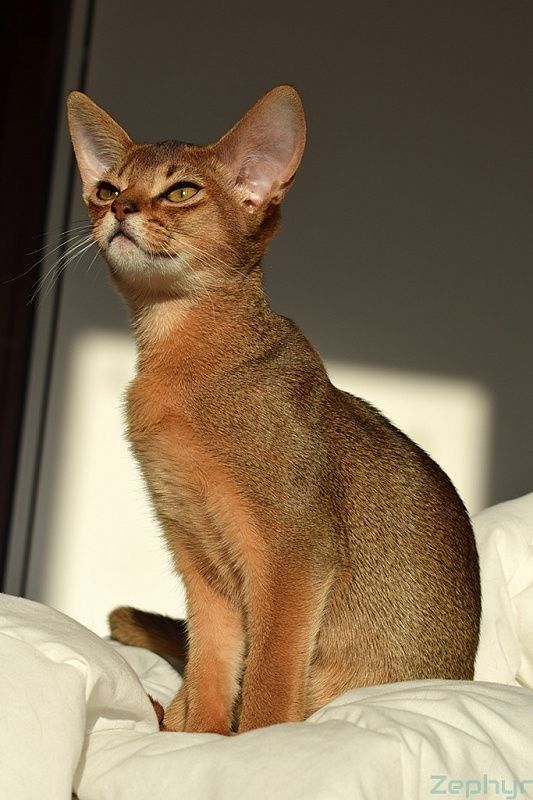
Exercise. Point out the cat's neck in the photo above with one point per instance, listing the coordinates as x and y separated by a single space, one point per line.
209 334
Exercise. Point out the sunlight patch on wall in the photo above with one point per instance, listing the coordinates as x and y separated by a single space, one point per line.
104 547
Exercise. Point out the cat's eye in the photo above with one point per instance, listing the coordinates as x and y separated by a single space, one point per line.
183 192
106 192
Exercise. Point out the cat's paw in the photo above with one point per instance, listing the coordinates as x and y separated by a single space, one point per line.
178 717
175 715
159 711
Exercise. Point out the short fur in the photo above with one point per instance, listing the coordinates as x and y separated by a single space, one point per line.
320 548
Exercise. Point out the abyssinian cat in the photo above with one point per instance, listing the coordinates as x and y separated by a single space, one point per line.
320 548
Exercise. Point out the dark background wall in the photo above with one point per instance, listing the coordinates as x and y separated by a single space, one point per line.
408 239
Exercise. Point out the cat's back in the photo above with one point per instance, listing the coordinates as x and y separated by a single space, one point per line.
407 498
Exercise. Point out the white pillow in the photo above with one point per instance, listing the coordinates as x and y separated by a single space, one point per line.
504 535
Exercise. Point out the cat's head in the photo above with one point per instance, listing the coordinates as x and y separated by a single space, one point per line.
173 218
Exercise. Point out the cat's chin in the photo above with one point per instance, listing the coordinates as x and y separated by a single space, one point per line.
151 275
124 255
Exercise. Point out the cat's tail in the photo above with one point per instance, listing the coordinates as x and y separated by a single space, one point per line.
165 636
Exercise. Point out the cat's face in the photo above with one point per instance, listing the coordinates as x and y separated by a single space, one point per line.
165 215
173 219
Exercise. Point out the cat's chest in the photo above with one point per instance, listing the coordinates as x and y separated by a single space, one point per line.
171 448
197 497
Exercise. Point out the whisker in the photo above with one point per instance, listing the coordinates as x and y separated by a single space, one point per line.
75 259
93 260
204 252
204 238
58 230
65 255
65 243
224 245
204 258
95 274
56 236
90 266
45 285
46 255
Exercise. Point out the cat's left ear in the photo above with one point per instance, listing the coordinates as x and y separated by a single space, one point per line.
263 150
98 141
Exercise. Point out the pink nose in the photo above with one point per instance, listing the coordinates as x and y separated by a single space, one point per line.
121 208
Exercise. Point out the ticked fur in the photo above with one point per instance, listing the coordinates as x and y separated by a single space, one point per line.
320 548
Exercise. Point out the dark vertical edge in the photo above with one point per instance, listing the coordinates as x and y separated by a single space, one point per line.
31 67
7 529
55 311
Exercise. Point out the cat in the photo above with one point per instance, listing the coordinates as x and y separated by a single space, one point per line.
320 548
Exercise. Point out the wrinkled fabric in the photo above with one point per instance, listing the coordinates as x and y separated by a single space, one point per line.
74 713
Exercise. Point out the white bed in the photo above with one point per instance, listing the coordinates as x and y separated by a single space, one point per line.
74 713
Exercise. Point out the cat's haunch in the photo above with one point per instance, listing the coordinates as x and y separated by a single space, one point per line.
320 548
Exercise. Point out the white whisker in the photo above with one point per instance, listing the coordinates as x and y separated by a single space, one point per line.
59 236
75 253
65 255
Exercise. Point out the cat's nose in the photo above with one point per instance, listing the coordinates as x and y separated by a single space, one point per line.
122 207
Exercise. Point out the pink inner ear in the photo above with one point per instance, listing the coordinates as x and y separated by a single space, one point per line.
258 178
99 142
97 150
264 149
93 160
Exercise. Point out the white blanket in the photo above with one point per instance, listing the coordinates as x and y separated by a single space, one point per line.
74 714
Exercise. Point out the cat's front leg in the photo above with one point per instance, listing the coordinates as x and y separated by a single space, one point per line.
284 619
216 648
176 714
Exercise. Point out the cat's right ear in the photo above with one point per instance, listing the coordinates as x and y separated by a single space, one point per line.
98 141
264 149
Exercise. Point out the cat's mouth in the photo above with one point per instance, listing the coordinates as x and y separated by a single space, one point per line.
121 233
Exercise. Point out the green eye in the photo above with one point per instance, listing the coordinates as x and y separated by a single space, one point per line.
180 193
106 192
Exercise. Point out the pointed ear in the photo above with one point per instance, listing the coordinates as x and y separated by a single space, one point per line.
97 139
264 149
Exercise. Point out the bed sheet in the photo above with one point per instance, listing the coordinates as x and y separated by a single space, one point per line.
74 713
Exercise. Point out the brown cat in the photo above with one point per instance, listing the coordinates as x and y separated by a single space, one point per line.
320 548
